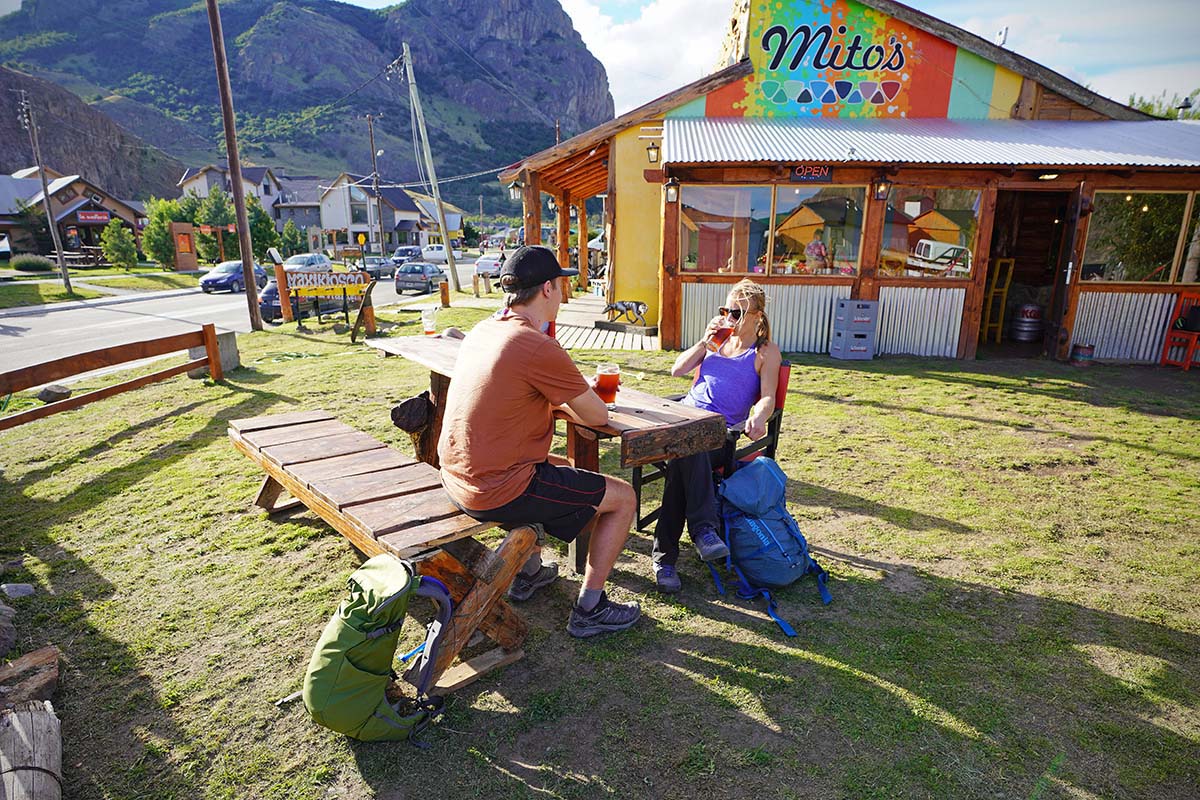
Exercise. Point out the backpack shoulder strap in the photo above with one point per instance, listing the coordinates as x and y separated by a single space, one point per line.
420 674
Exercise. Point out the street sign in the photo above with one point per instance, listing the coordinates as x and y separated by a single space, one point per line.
362 238
92 217
207 229
230 227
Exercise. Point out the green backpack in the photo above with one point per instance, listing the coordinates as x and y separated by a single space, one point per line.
352 664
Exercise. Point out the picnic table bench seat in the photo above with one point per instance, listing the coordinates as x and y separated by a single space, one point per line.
384 501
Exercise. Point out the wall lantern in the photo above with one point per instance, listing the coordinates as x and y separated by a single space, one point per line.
1048 176
671 189
574 212
652 151
883 187
550 202
514 190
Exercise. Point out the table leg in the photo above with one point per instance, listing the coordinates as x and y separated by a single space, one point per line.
583 451
427 442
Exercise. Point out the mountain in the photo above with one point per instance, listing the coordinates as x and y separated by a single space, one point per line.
494 77
76 139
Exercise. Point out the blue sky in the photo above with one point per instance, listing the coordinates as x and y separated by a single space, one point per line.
650 47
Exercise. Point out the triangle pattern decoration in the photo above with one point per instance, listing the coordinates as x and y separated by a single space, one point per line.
843 88
890 89
804 97
855 97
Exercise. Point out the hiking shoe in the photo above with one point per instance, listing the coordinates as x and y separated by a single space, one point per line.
667 578
606 617
710 547
523 586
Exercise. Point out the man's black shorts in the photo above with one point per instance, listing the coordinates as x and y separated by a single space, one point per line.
563 499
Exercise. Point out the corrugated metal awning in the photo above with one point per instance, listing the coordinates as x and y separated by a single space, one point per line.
1049 143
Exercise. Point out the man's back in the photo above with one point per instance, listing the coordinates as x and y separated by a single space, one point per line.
498 424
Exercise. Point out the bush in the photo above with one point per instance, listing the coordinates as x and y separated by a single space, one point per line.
28 262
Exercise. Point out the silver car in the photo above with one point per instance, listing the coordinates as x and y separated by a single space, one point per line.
419 275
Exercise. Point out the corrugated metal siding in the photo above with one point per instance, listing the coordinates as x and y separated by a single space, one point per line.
1123 326
919 321
801 316
931 141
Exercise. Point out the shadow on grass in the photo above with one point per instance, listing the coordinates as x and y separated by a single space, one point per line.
925 687
101 673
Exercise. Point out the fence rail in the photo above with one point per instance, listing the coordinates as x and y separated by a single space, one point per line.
27 377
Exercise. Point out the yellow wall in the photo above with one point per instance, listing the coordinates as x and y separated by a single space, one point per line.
637 240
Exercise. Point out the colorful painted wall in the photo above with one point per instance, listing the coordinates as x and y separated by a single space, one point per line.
844 59
637 248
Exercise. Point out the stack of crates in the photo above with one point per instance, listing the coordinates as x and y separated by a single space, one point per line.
854 329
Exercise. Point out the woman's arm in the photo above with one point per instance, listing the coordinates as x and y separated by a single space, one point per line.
690 359
768 382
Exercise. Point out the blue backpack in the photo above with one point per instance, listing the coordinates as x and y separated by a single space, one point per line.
766 548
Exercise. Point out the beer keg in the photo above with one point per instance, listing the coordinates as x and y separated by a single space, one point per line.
1027 324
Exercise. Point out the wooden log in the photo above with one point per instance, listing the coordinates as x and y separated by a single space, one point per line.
30 752
33 676
209 332
502 624
470 671
583 451
426 441
673 441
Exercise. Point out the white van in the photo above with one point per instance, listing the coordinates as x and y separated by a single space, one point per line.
931 255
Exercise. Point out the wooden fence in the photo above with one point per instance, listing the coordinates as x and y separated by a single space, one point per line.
38 374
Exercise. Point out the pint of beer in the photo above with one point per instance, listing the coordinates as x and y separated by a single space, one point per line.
718 337
607 378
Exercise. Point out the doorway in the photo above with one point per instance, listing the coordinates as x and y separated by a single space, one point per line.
1034 229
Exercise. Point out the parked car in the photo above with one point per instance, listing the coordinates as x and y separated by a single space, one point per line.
418 275
268 304
408 252
5 248
228 275
437 252
308 262
488 266
378 267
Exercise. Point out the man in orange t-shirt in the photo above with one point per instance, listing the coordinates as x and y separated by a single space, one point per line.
498 428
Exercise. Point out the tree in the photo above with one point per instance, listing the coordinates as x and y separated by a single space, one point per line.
1167 107
118 244
293 239
34 233
189 206
215 210
263 235
156 236
470 234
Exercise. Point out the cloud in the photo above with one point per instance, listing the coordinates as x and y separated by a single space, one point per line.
669 44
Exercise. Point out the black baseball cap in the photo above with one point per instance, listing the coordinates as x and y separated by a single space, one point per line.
531 266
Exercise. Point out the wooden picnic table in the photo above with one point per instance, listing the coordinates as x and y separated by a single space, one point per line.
650 428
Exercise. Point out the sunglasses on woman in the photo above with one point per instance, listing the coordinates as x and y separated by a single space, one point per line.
732 313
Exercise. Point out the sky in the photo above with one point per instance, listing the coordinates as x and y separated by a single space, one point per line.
651 47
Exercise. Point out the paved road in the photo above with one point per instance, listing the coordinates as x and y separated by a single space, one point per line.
42 333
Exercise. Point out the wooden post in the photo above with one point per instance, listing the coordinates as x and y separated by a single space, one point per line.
582 253
669 277
31 749
532 202
583 451
444 290
563 238
968 334
281 283
867 285
1087 196
213 351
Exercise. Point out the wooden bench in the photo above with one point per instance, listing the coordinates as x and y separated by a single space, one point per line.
386 502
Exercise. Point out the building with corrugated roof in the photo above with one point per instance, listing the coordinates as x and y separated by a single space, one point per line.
942 142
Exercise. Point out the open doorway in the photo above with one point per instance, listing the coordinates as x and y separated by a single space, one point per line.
1033 229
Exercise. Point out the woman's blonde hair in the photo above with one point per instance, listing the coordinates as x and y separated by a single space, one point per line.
756 297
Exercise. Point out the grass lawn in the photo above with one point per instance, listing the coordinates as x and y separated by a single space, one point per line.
33 294
1013 547
86 274
151 283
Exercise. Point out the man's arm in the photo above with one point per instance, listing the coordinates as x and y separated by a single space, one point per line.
589 408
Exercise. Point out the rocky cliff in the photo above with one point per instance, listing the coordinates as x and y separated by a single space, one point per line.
76 139
494 75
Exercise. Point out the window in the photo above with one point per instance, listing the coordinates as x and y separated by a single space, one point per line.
1134 236
1189 270
358 206
929 232
725 228
818 231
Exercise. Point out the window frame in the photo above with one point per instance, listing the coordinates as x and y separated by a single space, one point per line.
1181 240
768 266
972 249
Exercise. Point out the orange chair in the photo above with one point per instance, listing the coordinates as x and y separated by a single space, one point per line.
766 446
1178 337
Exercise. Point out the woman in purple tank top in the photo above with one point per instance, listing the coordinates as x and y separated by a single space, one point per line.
738 375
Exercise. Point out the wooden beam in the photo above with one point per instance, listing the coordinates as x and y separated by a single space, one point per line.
968 333
563 238
100 394
20 379
209 333
582 251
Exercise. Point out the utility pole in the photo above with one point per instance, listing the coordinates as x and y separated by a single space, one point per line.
375 179
30 124
437 194
235 165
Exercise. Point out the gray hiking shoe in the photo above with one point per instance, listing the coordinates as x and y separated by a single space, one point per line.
667 578
606 617
710 547
523 586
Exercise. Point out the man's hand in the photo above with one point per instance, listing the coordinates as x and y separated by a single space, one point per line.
756 425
